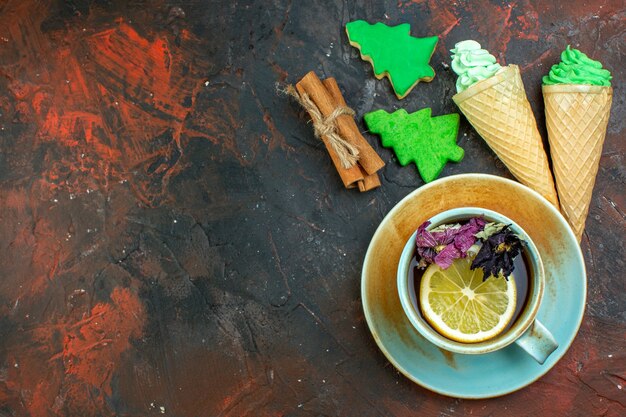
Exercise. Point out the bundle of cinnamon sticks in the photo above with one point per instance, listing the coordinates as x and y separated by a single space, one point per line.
326 96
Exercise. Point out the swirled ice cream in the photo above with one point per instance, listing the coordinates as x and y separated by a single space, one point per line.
577 68
472 63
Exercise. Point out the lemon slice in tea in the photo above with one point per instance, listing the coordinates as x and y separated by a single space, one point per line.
458 304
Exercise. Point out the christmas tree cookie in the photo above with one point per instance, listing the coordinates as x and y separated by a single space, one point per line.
417 137
394 53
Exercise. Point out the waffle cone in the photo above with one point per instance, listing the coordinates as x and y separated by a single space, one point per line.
499 111
576 117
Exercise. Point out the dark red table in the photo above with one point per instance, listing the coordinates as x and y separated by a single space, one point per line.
174 240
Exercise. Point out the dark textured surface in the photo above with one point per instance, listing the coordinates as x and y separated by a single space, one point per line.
174 240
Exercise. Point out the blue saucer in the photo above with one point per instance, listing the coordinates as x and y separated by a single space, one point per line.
473 376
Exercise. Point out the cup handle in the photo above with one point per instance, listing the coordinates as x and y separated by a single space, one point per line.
538 342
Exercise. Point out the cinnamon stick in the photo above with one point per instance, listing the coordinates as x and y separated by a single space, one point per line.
323 99
368 159
369 181
349 176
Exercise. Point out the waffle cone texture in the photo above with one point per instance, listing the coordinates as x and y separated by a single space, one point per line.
576 118
498 109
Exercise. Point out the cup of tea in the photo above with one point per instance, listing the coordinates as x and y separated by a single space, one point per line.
523 329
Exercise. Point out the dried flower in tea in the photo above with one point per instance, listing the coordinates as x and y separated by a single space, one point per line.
497 245
445 243
497 253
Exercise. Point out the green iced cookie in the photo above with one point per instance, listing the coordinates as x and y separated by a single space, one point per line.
394 53
427 141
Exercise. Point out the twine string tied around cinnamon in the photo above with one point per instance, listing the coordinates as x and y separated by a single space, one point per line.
326 126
